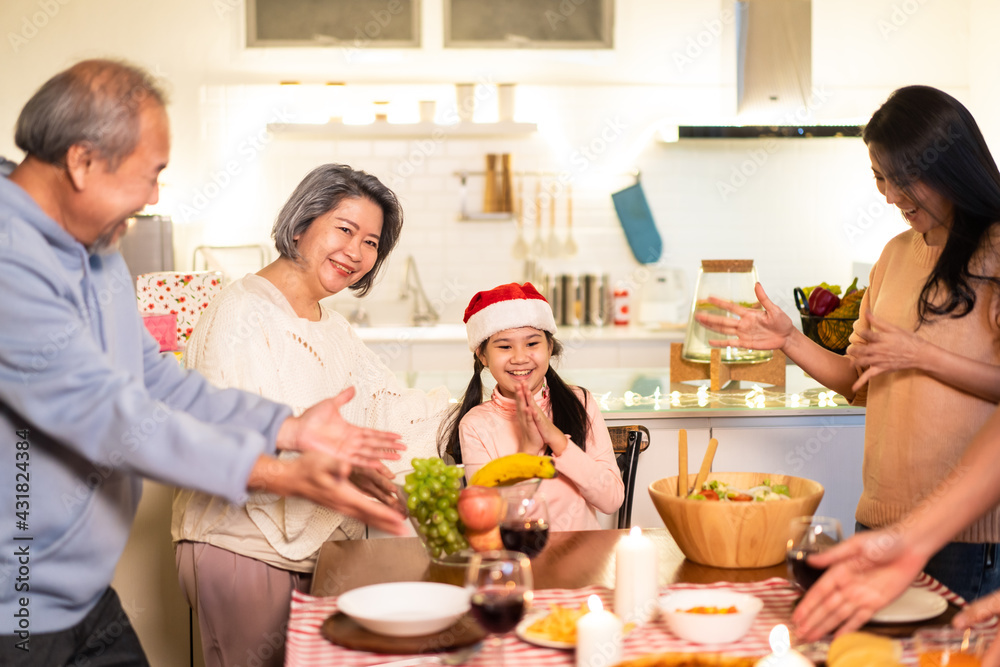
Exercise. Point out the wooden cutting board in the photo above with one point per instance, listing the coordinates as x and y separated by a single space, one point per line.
345 631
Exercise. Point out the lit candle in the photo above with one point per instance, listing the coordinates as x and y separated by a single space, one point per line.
782 653
635 578
598 636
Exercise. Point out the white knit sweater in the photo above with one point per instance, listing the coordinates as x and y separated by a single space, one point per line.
251 338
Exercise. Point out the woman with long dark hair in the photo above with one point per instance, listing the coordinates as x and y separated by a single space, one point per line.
925 352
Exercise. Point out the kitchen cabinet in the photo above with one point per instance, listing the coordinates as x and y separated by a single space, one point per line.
528 24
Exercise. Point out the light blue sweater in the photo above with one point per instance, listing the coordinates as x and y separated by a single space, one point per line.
84 384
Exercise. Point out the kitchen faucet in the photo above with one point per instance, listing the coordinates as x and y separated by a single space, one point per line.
422 313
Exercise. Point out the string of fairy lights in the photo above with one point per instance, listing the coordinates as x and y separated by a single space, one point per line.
754 398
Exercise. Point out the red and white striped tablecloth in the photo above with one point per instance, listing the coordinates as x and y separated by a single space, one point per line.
306 647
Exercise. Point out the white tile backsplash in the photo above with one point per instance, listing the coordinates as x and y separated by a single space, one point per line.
803 209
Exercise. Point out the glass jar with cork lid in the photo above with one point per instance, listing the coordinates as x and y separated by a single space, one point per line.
732 280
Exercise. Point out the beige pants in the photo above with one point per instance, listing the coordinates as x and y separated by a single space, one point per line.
242 604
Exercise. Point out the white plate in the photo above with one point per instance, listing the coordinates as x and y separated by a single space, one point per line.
522 631
915 604
406 608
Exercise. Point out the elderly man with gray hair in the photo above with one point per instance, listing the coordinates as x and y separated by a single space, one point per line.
88 406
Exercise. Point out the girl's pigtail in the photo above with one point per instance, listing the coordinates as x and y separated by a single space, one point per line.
449 434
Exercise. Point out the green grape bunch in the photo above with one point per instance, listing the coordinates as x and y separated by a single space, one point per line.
432 491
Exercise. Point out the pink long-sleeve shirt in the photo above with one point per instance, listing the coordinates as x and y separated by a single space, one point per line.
587 481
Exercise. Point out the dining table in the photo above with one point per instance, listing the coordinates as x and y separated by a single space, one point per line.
571 567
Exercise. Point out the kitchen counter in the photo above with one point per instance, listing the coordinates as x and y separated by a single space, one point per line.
647 393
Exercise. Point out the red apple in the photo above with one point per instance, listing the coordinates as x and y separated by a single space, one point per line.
479 508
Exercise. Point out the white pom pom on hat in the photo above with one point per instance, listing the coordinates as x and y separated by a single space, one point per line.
509 306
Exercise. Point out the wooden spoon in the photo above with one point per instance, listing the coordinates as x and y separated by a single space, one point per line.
706 464
682 463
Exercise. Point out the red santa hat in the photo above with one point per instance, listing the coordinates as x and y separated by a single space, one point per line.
509 306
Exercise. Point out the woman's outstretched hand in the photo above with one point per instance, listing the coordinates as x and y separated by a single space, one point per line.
890 348
753 328
979 611
863 574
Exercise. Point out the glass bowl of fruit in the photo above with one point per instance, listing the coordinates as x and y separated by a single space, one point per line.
430 492
452 517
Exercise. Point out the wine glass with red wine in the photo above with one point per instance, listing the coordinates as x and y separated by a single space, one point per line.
501 586
525 525
809 535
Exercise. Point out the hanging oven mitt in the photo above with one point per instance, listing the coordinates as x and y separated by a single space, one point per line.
637 221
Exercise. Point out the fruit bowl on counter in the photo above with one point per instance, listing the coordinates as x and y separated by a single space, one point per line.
827 319
437 496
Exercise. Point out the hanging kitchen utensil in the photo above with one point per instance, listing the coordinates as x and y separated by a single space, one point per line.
553 248
570 249
506 198
637 221
537 244
520 249
490 185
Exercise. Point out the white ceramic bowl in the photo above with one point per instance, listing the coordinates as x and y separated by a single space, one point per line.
709 628
405 609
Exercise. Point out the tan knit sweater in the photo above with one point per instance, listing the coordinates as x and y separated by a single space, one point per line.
251 338
916 427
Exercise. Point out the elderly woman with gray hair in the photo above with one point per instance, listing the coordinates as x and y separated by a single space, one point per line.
268 333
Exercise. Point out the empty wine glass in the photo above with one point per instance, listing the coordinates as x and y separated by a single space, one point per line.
809 535
524 526
500 584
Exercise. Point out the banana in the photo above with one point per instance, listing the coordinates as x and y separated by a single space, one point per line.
512 469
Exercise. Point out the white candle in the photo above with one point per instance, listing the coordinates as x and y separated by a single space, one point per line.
598 636
782 653
636 589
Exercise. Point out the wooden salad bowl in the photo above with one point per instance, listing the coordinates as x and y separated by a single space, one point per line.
735 534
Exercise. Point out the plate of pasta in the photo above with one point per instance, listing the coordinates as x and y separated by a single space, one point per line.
555 628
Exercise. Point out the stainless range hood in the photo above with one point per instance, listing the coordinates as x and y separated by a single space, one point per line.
774 93
773 60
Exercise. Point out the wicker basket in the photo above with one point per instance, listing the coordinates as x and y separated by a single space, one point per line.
832 333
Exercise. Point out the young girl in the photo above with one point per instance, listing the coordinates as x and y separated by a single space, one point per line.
510 330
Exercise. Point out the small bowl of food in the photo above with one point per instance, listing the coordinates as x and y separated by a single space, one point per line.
405 609
710 616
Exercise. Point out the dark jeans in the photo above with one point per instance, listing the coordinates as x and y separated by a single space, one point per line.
970 570
104 638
